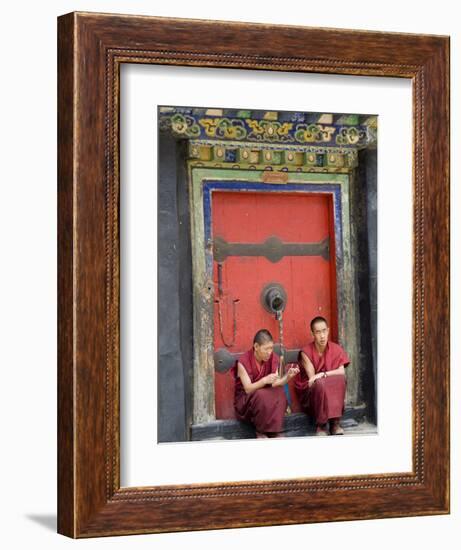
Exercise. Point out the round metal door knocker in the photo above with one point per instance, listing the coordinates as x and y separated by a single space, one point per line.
274 298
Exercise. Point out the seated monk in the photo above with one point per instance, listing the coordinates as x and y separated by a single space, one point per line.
321 383
259 394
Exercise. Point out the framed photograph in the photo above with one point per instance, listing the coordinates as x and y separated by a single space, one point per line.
253 252
293 179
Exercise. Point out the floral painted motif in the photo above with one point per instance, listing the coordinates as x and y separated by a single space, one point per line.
265 130
268 130
182 125
351 136
224 128
313 133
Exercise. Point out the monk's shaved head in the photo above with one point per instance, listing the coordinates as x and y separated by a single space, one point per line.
263 336
316 320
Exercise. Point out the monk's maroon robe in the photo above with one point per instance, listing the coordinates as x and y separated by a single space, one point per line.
325 398
265 407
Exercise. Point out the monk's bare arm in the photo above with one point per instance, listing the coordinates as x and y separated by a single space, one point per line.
339 370
249 386
307 365
327 374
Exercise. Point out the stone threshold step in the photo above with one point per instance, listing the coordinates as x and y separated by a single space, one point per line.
296 424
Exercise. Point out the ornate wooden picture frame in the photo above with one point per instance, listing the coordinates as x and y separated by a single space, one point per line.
92 48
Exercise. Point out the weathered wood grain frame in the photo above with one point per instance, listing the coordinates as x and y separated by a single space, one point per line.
90 500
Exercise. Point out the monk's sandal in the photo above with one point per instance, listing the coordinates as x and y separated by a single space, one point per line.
321 430
335 428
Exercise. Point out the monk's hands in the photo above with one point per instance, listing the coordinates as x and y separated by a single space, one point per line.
280 381
314 378
271 378
292 372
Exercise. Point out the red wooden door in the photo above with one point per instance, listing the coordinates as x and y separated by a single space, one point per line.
250 226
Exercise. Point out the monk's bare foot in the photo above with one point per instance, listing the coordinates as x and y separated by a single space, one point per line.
335 427
261 435
321 429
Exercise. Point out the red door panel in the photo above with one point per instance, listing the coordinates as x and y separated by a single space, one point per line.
252 218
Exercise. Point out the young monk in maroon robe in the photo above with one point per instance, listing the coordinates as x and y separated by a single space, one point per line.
321 384
259 394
